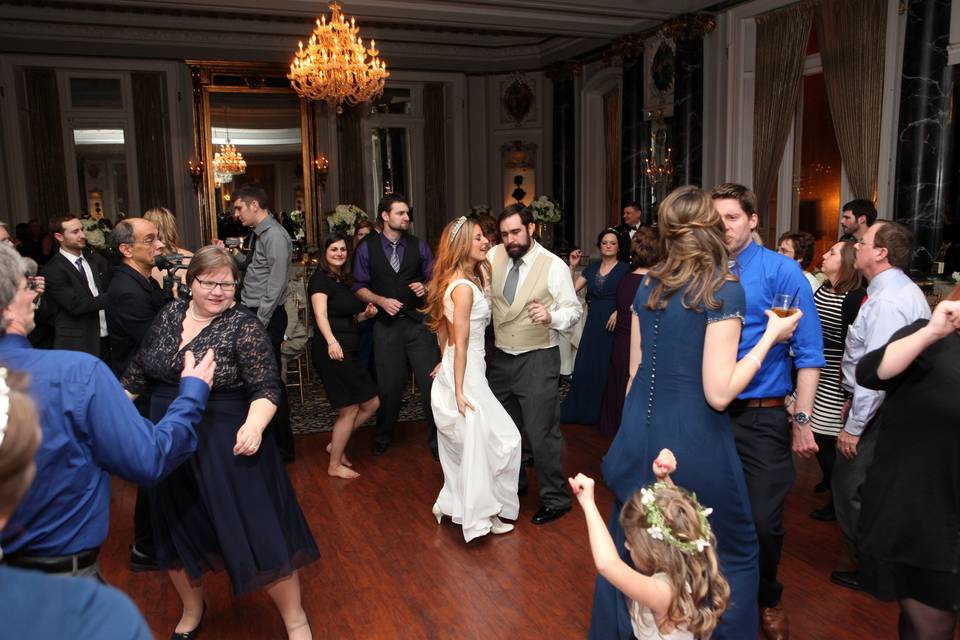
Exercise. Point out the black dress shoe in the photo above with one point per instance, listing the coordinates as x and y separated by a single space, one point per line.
848 579
546 514
140 561
191 635
824 514
380 448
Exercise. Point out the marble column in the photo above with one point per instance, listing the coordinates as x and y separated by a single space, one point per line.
564 156
686 127
636 140
924 134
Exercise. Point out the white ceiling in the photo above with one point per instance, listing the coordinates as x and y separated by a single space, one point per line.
477 36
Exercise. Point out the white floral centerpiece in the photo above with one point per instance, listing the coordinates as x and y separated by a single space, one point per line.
95 232
546 210
956 276
344 219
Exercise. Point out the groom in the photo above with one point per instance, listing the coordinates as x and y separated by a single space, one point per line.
533 300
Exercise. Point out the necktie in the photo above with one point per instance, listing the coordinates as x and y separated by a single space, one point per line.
83 272
394 257
510 285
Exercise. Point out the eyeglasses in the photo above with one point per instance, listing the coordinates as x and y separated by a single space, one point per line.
31 283
149 240
210 285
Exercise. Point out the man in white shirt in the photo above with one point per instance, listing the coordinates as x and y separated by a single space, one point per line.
76 284
893 302
533 300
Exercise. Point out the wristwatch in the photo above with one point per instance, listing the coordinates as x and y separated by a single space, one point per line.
801 418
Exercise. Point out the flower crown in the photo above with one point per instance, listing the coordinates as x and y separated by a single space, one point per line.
660 530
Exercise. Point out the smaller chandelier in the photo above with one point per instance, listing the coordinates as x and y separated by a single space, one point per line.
229 160
335 66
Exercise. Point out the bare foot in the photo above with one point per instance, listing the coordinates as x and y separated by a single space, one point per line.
343 458
342 472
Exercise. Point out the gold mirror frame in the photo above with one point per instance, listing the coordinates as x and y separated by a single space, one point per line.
246 77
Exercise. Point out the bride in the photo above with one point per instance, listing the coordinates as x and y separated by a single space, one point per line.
479 443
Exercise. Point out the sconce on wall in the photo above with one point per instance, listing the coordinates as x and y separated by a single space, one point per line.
321 166
196 173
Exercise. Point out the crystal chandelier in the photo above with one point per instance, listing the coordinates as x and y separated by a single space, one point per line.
335 66
229 160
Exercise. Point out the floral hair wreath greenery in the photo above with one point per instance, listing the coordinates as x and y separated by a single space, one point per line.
659 529
344 218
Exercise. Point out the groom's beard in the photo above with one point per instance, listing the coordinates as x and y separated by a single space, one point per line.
517 250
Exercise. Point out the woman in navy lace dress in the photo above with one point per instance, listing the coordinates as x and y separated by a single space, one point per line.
231 505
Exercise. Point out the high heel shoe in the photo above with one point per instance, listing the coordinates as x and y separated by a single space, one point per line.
498 526
436 512
191 635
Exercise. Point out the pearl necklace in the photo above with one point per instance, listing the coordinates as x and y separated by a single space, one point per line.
195 318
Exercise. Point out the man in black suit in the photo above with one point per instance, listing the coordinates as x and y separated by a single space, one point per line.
77 282
135 297
632 215
135 300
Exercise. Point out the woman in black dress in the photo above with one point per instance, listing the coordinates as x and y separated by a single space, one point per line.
350 389
231 505
909 547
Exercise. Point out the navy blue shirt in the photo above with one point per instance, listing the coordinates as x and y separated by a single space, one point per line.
763 274
42 607
90 430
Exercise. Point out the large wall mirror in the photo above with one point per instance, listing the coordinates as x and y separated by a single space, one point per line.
253 108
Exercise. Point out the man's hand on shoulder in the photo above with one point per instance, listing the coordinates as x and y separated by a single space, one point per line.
202 370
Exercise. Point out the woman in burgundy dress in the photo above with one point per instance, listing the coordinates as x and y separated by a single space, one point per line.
644 253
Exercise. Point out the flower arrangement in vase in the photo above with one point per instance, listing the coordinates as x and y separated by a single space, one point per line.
546 213
344 218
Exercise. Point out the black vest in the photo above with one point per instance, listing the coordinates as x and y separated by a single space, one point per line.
384 281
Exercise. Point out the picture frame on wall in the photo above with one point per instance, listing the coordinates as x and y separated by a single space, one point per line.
659 77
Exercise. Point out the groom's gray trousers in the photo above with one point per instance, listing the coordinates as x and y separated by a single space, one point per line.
527 385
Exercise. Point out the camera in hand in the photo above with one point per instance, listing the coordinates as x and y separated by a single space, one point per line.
171 263
233 243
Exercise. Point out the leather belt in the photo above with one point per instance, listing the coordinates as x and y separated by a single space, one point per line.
757 403
57 564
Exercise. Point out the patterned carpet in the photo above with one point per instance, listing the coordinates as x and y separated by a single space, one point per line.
315 415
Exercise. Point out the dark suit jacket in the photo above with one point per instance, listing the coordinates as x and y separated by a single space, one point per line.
134 303
77 321
623 235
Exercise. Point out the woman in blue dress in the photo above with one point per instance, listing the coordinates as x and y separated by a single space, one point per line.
686 323
582 404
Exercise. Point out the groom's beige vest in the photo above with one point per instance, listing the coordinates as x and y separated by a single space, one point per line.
512 327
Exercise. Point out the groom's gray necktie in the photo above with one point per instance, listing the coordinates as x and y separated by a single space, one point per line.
510 285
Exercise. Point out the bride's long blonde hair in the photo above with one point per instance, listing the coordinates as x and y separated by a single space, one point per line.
452 255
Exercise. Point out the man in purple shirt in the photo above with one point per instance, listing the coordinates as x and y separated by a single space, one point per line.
391 270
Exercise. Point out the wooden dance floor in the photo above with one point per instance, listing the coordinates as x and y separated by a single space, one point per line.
387 570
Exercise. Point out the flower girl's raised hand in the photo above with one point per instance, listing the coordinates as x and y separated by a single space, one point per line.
582 487
664 465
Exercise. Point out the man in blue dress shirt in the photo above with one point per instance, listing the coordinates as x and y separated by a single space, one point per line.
760 419
90 430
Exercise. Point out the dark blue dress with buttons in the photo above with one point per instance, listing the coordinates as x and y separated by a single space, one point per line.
666 408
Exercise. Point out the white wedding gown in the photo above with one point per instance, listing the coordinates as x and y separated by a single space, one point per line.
479 452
